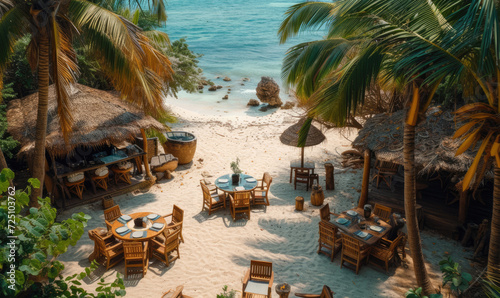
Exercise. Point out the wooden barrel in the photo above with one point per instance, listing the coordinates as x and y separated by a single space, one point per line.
299 203
180 144
330 178
317 196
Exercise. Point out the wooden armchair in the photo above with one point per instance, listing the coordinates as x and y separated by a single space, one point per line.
258 279
161 251
383 212
177 219
325 213
385 170
136 257
240 203
177 293
109 248
325 293
328 239
386 251
111 215
260 194
212 200
352 252
302 176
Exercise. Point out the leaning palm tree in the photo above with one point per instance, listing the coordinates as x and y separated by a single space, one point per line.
378 32
139 71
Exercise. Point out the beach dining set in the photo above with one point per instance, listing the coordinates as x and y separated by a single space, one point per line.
362 236
136 238
238 195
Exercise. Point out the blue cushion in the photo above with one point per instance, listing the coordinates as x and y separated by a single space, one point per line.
257 287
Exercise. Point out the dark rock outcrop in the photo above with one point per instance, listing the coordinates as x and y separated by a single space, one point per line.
268 91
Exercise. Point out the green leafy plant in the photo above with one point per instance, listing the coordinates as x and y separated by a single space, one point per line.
417 293
459 281
235 166
33 242
226 294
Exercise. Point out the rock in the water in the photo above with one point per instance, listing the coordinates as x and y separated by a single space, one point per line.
288 105
242 84
227 79
219 87
245 79
200 86
204 82
253 102
268 91
264 108
212 88
225 97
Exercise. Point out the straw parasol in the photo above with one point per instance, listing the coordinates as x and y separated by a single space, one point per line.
100 118
291 137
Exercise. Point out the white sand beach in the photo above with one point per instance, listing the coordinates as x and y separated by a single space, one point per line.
217 251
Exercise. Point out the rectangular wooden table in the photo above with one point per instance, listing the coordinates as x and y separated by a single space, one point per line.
354 227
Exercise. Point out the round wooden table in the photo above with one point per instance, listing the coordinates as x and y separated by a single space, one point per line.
150 233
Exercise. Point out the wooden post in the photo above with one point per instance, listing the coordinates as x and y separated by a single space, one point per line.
299 203
145 156
463 205
329 176
366 179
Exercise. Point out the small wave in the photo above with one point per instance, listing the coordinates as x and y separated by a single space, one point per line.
247 91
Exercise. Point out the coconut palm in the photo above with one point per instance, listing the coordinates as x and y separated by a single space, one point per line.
137 69
366 41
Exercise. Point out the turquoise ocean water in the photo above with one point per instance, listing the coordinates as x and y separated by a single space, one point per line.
238 39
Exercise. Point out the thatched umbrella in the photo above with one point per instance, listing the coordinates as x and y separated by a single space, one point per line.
291 137
100 118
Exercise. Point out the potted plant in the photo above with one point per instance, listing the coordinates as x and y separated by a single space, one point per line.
235 166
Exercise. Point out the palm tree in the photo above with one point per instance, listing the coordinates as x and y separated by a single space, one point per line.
138 70
365 42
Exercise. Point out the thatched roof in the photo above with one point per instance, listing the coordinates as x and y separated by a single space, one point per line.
99 118
434 147
291 135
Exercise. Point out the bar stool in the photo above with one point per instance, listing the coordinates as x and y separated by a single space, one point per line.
101 181
122 175
76 187
313 177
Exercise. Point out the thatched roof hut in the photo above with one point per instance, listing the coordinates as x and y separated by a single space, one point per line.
100 118
434 147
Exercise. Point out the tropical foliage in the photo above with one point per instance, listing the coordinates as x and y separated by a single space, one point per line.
452 273
7 143
32 244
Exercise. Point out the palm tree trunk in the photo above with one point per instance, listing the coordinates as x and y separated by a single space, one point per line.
494 253
38 164
410 211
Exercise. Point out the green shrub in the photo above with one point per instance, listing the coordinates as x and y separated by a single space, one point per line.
226 294
459 281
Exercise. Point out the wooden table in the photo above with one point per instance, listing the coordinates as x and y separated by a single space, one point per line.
228 187
352 228
150 233
295 164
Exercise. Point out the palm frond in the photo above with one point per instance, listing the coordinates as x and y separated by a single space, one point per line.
13 25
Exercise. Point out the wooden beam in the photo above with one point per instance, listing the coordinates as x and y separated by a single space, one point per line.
366 179
463 205
145 156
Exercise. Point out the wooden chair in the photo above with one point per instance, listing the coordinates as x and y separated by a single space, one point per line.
352 252
176 221
302 176
385 170
136 257
111 215
109 248
328 239
325 293
96 255
122 175
261 192
161 251
177 293
386 251
258 279
383 212
76 187
325 213
240 203
101 181
212 200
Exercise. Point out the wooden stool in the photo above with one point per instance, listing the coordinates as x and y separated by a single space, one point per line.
313 177
101 181
299 203
76 187
122 175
